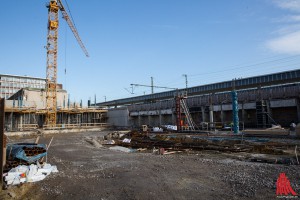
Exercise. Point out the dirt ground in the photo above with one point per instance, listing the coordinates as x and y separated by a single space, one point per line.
86 172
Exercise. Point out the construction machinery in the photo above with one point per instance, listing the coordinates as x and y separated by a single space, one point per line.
52 49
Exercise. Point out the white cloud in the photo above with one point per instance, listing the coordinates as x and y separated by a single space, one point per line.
293 5
289 34
286 44
287 29
294 18
289 18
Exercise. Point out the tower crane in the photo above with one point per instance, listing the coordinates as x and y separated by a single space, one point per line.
52 48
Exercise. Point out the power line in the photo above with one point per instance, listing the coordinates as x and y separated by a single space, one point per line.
192 77
242 67
218 78
252 65
250 72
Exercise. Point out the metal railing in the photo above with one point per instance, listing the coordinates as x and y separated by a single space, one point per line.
62 126
220 126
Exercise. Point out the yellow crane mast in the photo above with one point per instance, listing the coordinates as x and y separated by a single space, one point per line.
52 48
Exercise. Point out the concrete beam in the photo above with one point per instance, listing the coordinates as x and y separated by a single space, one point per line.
244 83
151 112
283 103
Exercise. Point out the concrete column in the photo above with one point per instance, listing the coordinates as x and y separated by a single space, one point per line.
11 121
211 116
298 109
269 112
173 119
222 114
235 111
149 119
244 115
211 111
203 113
139 120
159 115
21 121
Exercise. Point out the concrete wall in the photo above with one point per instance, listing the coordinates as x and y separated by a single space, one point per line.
38 96
118 116
37 99
282 103
283 111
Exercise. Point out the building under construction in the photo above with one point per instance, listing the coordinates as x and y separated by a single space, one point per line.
26 110
262 101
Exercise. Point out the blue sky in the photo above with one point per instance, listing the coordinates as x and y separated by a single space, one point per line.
131 40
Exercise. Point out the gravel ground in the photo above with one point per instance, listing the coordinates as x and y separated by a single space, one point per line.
86 172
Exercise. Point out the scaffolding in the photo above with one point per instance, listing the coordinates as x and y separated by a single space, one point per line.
29 118
183 122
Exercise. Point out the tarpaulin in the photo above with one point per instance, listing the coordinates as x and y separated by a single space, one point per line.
16 151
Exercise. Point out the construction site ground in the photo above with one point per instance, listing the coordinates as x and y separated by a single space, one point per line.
87 172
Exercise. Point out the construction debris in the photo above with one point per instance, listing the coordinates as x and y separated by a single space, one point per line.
93 142
165 144
123 149
227 174
157 129
126 140
24 153
171 127
32 173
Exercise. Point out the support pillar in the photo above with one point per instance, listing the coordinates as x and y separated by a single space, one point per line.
69 119
203 113
21 121
222 114
139 120
149 120
11 121
269 112
160 118
244 114
211 112
235 112
173 118
298 109
211 116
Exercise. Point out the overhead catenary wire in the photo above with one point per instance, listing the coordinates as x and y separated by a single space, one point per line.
247 66
242 71
220 77
242 68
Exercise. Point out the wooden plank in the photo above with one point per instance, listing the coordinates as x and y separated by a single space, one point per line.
37 139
